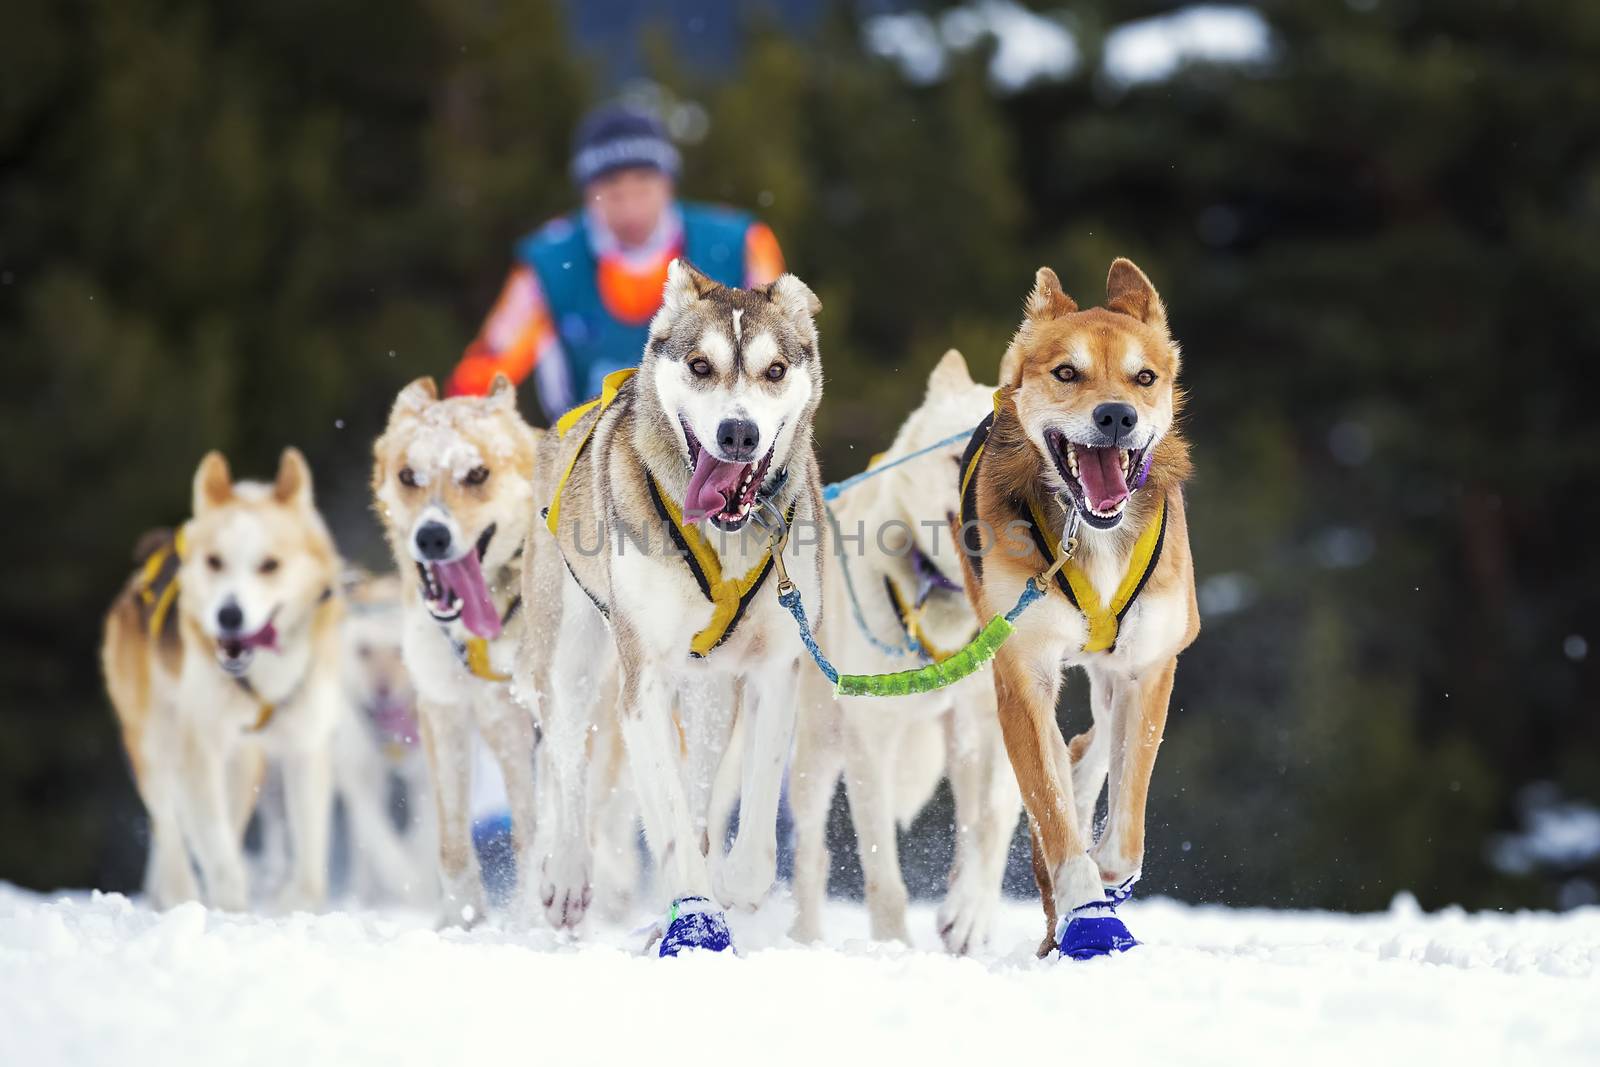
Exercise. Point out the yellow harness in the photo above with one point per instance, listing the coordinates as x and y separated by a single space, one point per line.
1104 620
911 622
160 601
609 388
729 597
478 661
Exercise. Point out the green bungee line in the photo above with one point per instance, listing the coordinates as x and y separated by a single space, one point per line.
978 651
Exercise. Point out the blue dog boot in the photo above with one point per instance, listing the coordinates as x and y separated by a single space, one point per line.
695 922
1120 893
1092 930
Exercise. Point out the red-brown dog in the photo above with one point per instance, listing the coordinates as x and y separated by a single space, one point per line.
1082 456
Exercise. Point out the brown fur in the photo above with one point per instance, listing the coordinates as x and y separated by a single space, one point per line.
1136 679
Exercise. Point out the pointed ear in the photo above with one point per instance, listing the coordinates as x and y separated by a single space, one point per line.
1047 301
795 299
213 485
949 374
414 397
293 483
685 285
502 393
1130 292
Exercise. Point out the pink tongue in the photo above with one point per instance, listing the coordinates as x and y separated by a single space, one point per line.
711 486
266 637
1100 471
464 578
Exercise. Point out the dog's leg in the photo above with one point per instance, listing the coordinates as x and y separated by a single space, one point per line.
752 863
308 792
987 804
246 771
507 728
169 875
1047 891
566 876
656 757
713 723
1090 752
1141 718
447 737
813 775
869 782
206 819
1026 684
614 810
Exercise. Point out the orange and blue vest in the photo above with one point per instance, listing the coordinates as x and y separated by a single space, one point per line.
595 337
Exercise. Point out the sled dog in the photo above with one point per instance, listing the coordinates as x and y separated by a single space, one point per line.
890 582
378 746
451 483
664 497
222 650
1082 458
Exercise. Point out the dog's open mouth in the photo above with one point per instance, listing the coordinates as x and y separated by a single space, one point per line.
723 492
1100 480
236 652
455 589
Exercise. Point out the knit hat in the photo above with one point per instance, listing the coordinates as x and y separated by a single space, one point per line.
614 137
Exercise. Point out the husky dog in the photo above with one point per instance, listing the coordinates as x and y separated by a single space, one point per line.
1082 464
378 745
665 497
451 484
893 605
221 650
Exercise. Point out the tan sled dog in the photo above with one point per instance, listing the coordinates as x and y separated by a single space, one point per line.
665 497
451 482
897 552
1083 452
222 650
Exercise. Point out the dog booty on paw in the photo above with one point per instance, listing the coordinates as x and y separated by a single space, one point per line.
1093 930
1119 894
695 922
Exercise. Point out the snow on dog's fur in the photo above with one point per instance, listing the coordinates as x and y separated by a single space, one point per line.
1088 398
243 664
896 529
451 485
717 424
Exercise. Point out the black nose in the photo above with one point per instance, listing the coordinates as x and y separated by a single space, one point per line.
1115 420
229 618
737 439
433 540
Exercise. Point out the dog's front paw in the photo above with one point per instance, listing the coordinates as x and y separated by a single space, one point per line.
695 923
742 880
565 889
296 897
1093 930
965 918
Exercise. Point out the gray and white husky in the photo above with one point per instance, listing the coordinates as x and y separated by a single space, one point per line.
664 500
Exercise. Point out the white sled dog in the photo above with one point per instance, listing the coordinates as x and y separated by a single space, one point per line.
222 650
379 745
451 485
894 602
664 496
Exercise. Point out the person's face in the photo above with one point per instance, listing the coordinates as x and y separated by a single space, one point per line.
630 201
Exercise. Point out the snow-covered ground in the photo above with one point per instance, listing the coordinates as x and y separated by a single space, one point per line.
99 980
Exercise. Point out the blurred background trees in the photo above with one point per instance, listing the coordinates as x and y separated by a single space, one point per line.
1376 224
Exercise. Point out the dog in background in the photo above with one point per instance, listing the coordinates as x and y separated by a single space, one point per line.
451 486
893 604
378 747
1082 464
703 455
223 650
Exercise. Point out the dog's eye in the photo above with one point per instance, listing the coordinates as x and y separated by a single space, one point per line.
214 561
408 477
701 367
1066 373
268 565
477 476
776 372
1146 377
